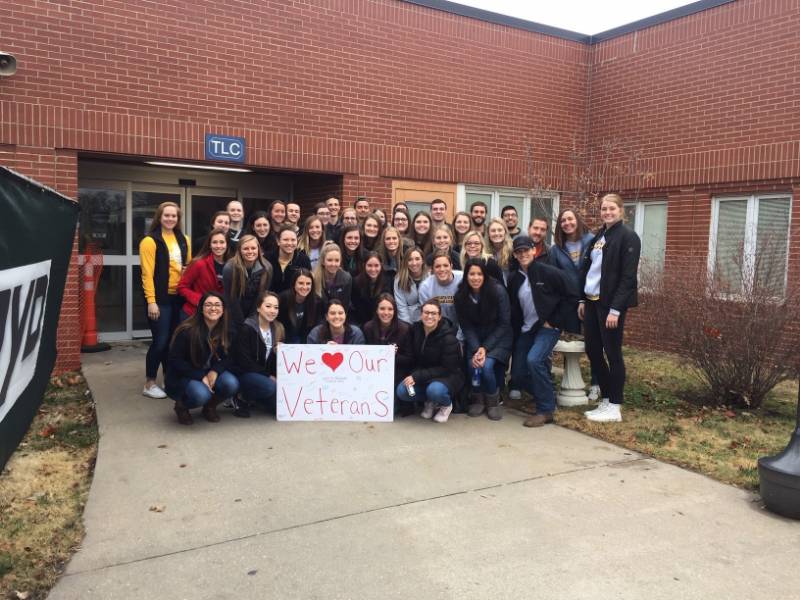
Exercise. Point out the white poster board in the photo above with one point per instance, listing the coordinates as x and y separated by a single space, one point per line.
330 382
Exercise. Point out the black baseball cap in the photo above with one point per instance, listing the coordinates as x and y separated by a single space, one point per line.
522 242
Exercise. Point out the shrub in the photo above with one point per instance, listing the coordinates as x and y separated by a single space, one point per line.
733 326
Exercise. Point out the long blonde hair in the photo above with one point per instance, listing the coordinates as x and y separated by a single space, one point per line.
239 276
470 234
446 228
319 270
503 256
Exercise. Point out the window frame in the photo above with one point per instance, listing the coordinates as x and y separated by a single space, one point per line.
638 222
750 236
495 205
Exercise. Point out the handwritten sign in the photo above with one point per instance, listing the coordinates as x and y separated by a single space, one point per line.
335 383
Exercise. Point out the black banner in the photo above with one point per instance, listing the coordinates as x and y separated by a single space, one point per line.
37 226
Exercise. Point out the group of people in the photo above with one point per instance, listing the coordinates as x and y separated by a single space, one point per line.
463 303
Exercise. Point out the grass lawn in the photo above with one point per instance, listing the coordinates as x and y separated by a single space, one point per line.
43 489
662 418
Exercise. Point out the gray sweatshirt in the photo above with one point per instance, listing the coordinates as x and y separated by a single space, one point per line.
445 294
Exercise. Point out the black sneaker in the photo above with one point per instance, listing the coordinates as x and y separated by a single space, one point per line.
405 409
241 408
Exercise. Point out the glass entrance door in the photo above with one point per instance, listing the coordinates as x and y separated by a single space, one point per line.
144 201
201 204
115 216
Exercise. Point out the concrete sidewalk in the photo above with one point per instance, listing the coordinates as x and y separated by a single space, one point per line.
412 509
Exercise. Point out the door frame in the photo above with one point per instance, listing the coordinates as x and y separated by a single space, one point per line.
129 260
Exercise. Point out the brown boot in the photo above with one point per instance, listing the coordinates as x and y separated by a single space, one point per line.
476 405
494 410
184 417
210 410
538 420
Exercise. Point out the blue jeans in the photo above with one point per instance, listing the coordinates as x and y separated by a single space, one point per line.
435 392
531 366
162 329
259 389
492 372
197 394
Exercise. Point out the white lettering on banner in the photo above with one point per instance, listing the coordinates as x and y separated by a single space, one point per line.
335 383
23 298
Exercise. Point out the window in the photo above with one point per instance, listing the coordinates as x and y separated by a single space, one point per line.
415 206
750 243
102 219
526 205
649 220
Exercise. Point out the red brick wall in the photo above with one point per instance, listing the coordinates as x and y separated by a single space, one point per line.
312 189
710 101
59 170
378 190
379 88
689 212
708 98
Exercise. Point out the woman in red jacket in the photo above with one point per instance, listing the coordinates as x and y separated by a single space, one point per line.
204 273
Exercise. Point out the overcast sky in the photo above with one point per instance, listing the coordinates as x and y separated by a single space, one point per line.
583 16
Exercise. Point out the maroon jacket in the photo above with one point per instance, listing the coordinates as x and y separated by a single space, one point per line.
198 278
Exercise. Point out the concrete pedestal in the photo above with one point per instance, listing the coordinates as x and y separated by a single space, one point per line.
573 388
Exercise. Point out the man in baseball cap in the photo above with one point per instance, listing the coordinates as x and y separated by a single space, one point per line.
542 300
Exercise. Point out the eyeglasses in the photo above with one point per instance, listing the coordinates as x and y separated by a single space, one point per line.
430 313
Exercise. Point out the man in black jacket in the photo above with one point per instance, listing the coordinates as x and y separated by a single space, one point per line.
542 300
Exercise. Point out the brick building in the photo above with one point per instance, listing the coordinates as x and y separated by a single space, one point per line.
403 100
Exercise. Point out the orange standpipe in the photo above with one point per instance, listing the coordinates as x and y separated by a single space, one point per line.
91 266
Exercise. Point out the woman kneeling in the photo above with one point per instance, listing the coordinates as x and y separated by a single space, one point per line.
256 350
435 358
197 368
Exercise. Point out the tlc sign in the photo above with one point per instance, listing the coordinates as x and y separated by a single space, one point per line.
220 147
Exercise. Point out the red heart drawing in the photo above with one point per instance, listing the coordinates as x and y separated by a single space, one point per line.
333 360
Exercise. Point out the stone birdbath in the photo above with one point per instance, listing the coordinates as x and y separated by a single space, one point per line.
573 388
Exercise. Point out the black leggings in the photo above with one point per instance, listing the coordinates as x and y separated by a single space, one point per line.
604 349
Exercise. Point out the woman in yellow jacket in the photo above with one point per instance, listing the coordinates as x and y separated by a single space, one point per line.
164 253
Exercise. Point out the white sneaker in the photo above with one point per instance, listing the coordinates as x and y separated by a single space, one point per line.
427 410
594 393
612 414
443 414
154 392
515 395
600 408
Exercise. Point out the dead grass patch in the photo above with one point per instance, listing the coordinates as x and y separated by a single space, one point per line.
661 418
43 489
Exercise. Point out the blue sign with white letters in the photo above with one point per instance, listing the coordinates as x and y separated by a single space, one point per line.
222 147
